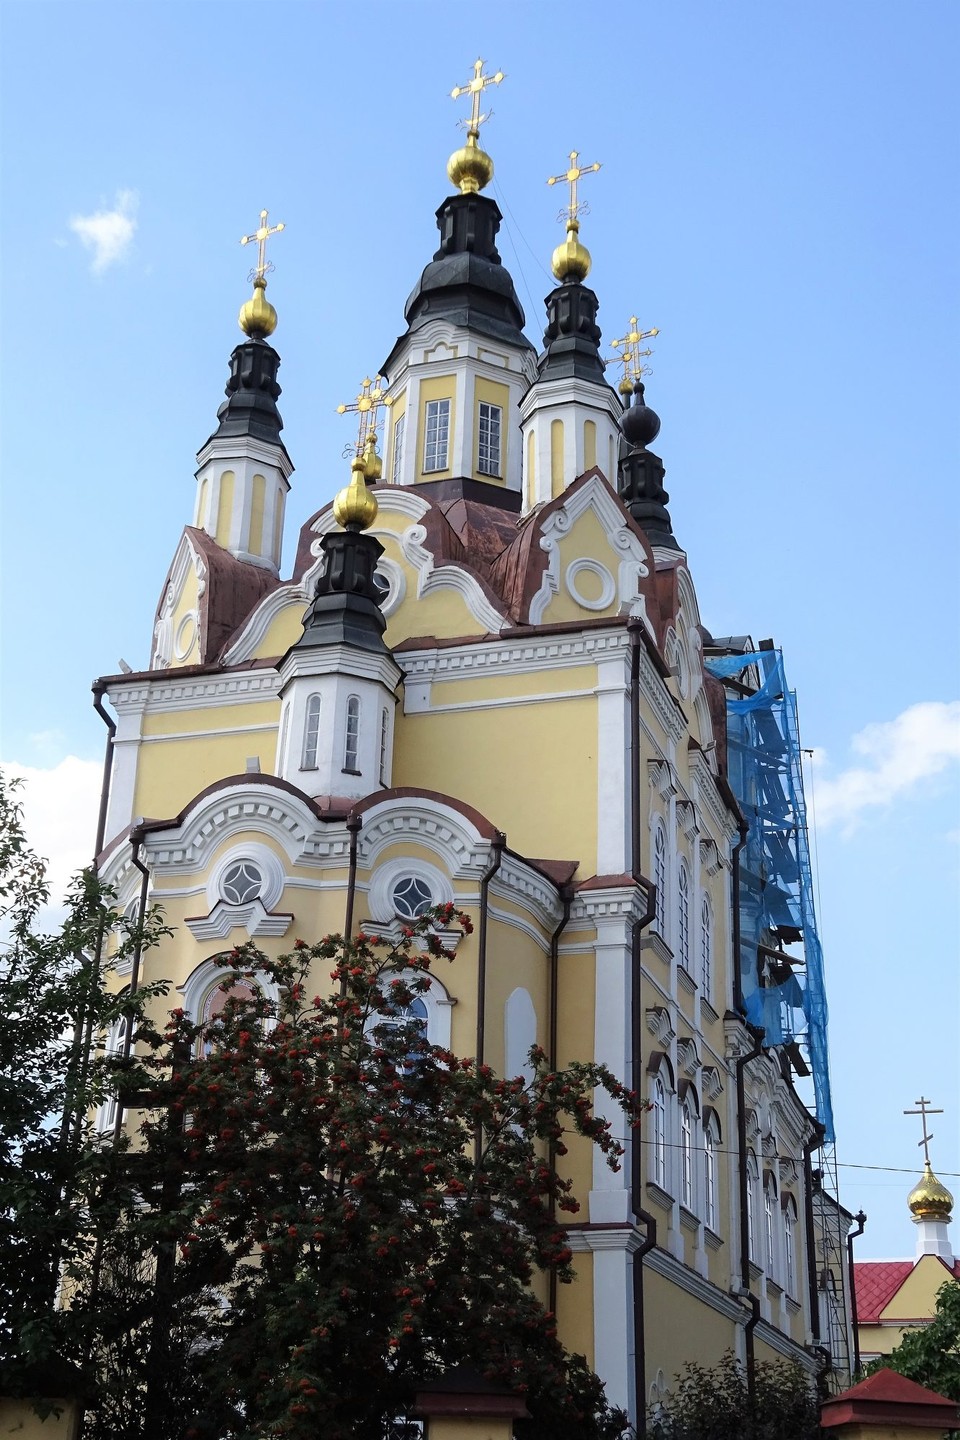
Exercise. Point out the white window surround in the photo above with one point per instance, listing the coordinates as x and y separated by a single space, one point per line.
398 429
436 436
351 739
113 1046
687 1173
208 974
789 1244
706 947
489 431
519 1033
683 914
269 865
659 849
659 1143
753 1181
311 732
384 768
436 1000
387 876
711 1146
396 582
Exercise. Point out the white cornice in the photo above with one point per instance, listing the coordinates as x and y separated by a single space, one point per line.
520 656
194 692
571 390
626 902
246 447
662 1263
245 645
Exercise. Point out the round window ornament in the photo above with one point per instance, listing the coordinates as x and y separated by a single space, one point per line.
241 882
411 897
590 584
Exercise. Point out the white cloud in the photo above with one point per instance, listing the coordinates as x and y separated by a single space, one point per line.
920 742
108 233
60 805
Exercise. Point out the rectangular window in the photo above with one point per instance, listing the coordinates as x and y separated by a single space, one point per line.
437 435
397 450
311 734
384 735
488 457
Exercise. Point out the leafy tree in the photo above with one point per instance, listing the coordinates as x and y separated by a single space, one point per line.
930 1354
54 1003
338 1210
714 1404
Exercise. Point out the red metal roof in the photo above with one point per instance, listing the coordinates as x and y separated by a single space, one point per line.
877 1281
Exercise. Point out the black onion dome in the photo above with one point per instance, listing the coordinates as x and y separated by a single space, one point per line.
639 423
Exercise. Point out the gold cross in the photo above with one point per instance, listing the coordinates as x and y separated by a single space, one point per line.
632 357
925 1109
262 235
571 176
475 88
367 404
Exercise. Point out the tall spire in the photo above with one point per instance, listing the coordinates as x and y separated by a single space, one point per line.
572 337
930 1202
466 282
244 468
641 471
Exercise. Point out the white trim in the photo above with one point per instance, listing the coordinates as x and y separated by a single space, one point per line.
431 576
254 631
252 917
387 875
593 495
585 565
201 981
195 692
437 1002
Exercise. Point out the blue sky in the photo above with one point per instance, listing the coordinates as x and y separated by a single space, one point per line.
778 195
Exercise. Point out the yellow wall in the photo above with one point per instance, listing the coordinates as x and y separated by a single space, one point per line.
257 505
677 1325
225 508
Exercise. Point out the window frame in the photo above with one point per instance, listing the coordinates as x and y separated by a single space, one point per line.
683 914
493 442
659 849
398 432
311 732
436 431
706 946
351 736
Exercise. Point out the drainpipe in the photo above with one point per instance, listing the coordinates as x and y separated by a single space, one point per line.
111 725
634 630
497 846
566 896
744 1180
811 1244
136 843
354 824
861 1220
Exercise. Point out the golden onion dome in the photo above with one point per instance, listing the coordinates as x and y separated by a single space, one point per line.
470 168
355 507
258 318
929 1200
372 464
571 260
626 389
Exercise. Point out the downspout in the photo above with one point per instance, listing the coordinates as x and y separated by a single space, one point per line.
354 825
497 845
111 725
136 843
743 1181
813 1293
634 631
861 1220
566 896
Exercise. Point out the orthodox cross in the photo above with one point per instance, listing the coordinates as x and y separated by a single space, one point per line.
925 1109
632 356
475 88
571 175
366 405
262 235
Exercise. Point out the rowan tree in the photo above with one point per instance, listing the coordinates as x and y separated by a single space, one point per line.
338 1210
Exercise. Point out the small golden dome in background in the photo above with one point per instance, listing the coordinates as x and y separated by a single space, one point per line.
626 388
258 318
571 260
470 168
372 464
355 507
929 1200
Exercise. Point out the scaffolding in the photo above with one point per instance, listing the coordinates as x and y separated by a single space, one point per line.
780 960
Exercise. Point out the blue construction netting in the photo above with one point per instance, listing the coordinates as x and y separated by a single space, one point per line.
781 958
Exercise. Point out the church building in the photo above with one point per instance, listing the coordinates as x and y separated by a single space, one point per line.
483 678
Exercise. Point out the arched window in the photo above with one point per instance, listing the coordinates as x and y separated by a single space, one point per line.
790 1243
711 1147
311 733
241 882
214 1003
769 1228
398 449
113 1049
660 876
752 1181
384 736
351 744
706 947
683 915
659 1133
686 1154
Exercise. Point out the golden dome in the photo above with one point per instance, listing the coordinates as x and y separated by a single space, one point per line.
929 1200
355 507
470 168
372 464
257 318
626 388
571 260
